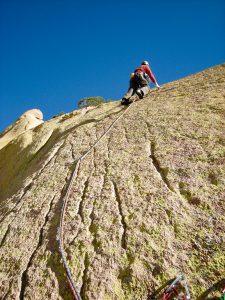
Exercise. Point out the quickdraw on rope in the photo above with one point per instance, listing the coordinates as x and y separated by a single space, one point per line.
173 291
72 284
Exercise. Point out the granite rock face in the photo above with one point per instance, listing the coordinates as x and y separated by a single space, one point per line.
28 120
148 202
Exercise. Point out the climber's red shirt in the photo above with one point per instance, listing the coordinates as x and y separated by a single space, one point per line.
146 69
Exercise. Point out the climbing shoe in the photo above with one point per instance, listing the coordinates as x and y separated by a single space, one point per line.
140 93
125 101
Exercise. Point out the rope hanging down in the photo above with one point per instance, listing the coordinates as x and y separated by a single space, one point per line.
65 200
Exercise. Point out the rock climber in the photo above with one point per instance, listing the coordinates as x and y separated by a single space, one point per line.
139 83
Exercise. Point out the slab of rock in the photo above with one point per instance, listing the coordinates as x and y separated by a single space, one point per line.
26 121
148 202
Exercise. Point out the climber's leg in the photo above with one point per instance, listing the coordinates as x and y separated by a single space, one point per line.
133 86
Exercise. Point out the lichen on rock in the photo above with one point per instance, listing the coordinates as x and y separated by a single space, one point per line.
147 204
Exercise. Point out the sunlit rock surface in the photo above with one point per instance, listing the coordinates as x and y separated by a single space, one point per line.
28 120
148 202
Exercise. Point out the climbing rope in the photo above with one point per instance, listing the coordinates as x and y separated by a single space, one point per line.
65 200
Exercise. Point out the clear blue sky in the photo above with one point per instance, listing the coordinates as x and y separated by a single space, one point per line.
55 52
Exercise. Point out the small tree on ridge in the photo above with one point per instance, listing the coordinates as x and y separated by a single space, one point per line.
90 101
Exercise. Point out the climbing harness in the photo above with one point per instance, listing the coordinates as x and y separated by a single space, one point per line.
173 291
73 176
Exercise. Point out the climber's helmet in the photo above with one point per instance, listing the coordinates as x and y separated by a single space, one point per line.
145 62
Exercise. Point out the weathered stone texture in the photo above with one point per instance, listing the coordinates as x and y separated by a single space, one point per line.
28 120
148 201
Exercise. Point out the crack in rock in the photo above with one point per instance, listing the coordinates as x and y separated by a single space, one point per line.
93 227
80 207
122 217
40 240
85 275
73 156
161 171
5 235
